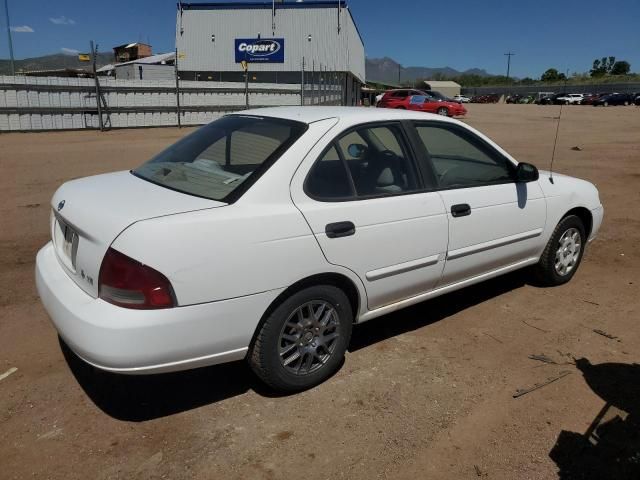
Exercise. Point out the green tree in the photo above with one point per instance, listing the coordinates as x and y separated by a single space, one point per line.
603 67
621 67
551 75
527 81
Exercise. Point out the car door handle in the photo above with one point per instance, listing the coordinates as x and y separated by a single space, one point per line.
340 229
461 210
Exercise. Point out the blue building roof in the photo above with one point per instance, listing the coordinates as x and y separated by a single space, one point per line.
260 5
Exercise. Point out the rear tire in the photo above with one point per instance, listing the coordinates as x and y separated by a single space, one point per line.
443 111
303 341
563 253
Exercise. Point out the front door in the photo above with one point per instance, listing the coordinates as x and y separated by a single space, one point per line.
494 222
370 212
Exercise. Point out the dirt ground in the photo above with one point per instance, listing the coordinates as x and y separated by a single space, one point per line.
425 393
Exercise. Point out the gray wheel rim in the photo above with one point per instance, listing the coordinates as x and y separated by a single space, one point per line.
309 337
568 251
442 111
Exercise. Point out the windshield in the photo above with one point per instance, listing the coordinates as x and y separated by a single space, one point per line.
221 160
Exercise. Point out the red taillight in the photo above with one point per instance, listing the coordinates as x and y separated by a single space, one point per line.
128 283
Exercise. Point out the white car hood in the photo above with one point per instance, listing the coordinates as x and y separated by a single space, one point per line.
99 208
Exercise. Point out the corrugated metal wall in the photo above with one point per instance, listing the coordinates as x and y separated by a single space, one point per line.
52 103
343 52
149 72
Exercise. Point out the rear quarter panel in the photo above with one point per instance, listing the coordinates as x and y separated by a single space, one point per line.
260 243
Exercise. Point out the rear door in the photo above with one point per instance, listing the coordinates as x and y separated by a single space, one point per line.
373 213
493 221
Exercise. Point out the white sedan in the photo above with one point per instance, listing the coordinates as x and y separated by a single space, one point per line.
265 235
461 99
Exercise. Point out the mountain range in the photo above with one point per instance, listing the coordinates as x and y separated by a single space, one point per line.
386 70
381 69
53 62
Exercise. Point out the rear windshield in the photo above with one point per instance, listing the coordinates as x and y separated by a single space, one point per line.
221 160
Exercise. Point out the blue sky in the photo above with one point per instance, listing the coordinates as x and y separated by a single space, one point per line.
462 34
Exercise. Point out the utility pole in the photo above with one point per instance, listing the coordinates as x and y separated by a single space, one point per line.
175 70
399 69
6 11
302 84
245 66
94 54
508 55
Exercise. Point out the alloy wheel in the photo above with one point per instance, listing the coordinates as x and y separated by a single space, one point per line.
308 337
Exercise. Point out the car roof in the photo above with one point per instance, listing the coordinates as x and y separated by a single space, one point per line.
310 114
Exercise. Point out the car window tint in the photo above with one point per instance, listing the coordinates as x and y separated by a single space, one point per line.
252 144
378 162
329 179
401 94
460 159
215 160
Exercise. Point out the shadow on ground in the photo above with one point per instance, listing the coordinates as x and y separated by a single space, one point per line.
145 397
610 448
138 398
428 312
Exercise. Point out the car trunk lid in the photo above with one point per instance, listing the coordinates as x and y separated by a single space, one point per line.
89 213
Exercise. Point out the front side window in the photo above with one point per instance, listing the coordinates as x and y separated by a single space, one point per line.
222 159
370 161
459 159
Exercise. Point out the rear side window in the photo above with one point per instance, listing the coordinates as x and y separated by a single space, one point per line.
459 159
369 161
329 178
224 158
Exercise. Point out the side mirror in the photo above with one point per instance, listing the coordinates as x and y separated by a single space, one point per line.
356 150
525 172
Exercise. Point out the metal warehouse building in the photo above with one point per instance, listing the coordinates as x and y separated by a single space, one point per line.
278 40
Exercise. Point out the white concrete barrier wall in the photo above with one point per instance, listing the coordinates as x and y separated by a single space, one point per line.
52 103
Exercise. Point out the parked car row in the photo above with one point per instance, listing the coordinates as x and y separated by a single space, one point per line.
520 99
596 99
429 101
490 98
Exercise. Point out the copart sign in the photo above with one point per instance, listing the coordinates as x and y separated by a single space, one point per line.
268 50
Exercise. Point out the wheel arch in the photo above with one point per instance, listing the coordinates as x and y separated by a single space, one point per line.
335 279
583 214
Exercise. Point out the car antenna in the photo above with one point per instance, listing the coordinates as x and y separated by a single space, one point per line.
555 141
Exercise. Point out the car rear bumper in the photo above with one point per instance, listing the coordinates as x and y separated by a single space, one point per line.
146 341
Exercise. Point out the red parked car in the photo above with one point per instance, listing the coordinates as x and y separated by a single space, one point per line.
408 99
424 103
397 98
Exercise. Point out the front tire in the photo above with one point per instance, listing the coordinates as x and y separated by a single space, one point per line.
443 111
563 253
303 341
